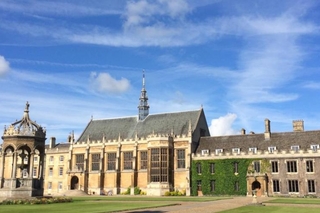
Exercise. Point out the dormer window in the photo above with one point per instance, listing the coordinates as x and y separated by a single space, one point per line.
205 152
236 150
295 148
218 151
315 147
253 150
271 149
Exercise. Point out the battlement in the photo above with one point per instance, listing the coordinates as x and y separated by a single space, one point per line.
257 154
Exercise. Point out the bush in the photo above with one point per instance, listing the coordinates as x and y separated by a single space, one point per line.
36 201
127 192
175 193
137 190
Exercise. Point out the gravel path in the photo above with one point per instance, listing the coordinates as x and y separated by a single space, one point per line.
204 207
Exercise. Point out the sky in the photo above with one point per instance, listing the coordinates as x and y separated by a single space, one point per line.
241 61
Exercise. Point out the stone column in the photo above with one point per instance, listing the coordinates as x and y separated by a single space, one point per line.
14 166
31 162
2 169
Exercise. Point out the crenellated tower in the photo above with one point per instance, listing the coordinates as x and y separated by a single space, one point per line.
143 106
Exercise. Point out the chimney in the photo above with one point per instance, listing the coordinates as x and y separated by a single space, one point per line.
298 125
52 142
267 132
243 131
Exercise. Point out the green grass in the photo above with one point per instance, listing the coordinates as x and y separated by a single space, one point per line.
296 201
272 209
100 204
147 198
307 205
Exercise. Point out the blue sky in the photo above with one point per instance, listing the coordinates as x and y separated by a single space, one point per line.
243 61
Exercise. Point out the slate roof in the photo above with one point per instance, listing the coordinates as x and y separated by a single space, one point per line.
128 127
282 141
60 146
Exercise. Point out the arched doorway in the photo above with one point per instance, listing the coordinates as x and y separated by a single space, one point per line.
74 182
256 186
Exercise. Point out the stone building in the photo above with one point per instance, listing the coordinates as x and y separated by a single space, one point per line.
276 164
22 158
149 151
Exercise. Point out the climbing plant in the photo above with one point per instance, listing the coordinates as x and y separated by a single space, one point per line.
225 178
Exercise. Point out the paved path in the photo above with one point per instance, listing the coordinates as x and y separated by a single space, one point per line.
204 207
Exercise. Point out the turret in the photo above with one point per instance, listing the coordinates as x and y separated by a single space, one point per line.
143 106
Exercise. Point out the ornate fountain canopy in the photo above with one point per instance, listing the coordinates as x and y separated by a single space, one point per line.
25 127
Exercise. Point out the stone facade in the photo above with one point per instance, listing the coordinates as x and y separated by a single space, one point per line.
22 158
156 158
283 164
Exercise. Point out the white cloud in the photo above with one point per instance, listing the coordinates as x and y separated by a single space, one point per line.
62 8
223 125
4 66
146 12
105 83
312 85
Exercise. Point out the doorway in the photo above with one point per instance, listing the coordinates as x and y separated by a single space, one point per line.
74 183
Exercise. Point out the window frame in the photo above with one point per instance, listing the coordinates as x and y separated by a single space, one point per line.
213 185
311 184
143 160
217 151
236 186
235 167
272 149
212 168
253 150
80 161
34 171
292 166
127 160
274 166
236 151
315 147
276 186
95 162
111 161
199 168
181 158
295 148
293 186
257 166
309 166
60 171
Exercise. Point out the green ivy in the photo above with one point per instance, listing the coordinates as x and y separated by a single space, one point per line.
224 177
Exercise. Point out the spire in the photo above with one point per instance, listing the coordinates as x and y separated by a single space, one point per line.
143 106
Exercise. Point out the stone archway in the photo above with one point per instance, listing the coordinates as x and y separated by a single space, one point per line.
74 183
256 185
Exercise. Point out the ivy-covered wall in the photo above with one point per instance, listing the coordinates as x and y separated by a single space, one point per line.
223 176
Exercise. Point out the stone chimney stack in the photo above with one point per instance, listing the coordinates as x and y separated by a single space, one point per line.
267 132
298 125
243 131
52 142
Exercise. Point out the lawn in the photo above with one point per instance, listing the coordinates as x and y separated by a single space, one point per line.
296 201
101 204
282 205
273 209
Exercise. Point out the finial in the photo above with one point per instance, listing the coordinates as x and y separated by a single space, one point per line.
27 107
143 79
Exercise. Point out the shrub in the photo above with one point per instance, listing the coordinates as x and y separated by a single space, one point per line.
137 190
175 193
36 201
